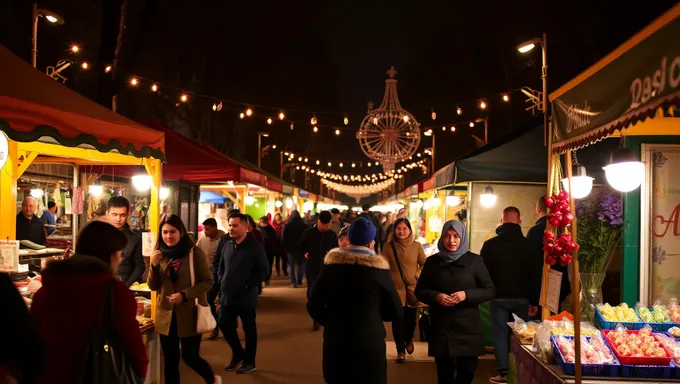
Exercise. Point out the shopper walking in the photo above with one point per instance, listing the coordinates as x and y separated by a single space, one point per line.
385 227
132 267
508 258
290 237
252 228
406 258
453 283
315 244
370 217
280 258
170 277
271 244
353 296
208 244
343 240
66 309
242 269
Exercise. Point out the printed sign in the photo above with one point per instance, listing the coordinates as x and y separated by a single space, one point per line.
9 255
148 243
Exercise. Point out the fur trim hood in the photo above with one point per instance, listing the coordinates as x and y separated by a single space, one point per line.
356 255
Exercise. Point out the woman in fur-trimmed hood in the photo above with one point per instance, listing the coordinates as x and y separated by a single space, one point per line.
351 299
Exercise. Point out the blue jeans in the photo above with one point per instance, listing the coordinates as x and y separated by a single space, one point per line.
501 314
295 266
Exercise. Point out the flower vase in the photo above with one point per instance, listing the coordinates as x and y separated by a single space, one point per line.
591 293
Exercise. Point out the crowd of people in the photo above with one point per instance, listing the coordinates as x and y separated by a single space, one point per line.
359 273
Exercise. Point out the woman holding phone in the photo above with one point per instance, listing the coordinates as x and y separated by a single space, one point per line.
170 276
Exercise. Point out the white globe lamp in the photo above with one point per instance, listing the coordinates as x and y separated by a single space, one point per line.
164 193
624 172
142 182
37 193
95 190
250 200
278 204
453 200
488 198
581 183
289 203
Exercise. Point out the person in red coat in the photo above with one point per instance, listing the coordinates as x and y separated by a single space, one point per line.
66 309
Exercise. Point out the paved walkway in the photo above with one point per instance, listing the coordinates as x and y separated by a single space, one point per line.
290 352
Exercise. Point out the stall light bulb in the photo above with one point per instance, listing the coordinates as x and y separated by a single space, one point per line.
581 183
242 115
282 115
482 104
278 204
472 124
214 107
406 118
488 198
96 190
164 193
37 193
75 49
453 201
250 200
84 65
316 129
292 126
434 115
184 98
453 128
142 182
337 132
107 69
624 172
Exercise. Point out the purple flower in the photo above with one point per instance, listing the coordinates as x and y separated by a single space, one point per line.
658 255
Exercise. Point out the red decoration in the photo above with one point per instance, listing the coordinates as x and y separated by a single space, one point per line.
558 244
550 260
566 219
548 236
563 196
548 201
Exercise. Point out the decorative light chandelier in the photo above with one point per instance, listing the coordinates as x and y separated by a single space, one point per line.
358 191
389 134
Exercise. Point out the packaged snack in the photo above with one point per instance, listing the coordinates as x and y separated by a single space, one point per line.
522 330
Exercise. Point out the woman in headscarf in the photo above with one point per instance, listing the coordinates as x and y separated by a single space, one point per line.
406 258
453 283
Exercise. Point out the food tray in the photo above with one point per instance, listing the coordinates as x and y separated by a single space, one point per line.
603 324
608 370
657 327
631 360
649 371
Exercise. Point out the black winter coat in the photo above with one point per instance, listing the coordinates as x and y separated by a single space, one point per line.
457 330
317 244
511 264
241 269
132 268
535 238
370 217
352 297
272 244
291 235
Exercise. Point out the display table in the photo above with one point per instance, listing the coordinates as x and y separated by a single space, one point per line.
153 350
525 367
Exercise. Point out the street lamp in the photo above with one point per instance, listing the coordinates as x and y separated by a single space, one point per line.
528 46
260 135
51 17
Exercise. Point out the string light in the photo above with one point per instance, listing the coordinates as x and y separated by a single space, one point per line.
453 128
306 160
84 65
459 111
318 162
316 129
214 107
154 88
337 132
134 81
107 69
434 115
354 165
269 121
341 165
346 120
75 49
300 158
482 104
314 120
282 115
330 164
249 112
242 115
444 128
406 118
472 124
184 98
292 126
506 98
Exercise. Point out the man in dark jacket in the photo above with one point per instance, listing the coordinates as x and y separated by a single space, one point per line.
535 237
353 296
242 268
315 244
271 244
508 258
370 217
290 237
29 226
132 267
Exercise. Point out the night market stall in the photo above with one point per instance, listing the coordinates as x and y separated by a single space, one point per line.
45 123
633 95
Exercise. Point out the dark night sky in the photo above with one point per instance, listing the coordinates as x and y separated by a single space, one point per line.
329 56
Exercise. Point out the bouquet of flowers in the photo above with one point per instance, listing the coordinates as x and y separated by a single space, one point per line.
600 225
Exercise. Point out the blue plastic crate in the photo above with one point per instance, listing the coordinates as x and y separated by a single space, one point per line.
656 327
601 323
607 370
649 371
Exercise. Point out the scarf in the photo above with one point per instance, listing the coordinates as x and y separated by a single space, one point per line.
176 254
463 248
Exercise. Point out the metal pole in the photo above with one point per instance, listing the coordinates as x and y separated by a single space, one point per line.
75 227
544 77
486 130
575 288
259 150
281 165
433 150
34 40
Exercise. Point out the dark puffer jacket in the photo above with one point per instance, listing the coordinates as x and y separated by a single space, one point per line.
132 268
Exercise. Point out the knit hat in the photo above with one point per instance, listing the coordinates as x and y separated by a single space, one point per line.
361 232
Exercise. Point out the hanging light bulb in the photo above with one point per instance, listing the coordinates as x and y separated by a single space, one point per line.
506 98
154 88
107 69
435 202
375 120
318 162
84 65
95 190
434 115
488 198
75 49
250 200
292 126
282 115
164 193
346 120
184 98
453 128
134 81
278 204
341 165
300 158
306 160
444 128
142 182
289 203
354 165
368 164
453 201
249 112
482 104
269 121
472 124
337 132
315 129
314 120
37 193
242 115
580 181
459 111
624 172
214 107
330 164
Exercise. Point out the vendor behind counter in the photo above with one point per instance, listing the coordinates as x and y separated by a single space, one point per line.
29 226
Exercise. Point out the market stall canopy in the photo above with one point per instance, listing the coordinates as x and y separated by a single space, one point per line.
35 107
212 197
637 81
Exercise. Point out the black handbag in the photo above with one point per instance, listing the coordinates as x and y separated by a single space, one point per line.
105 362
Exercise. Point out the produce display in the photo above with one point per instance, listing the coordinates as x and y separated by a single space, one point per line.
674 310
671 345
675 332
566 328
658 314
593 351
140 287
525 331
622 313
636 343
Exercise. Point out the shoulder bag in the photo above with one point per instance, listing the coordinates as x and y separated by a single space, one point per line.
411 299
205 321
105 362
